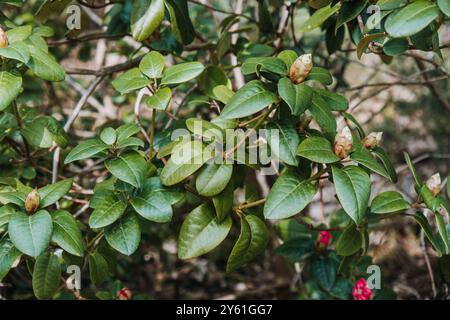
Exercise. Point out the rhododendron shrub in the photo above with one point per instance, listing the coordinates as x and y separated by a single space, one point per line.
177 129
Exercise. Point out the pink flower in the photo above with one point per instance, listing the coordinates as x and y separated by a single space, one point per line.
361 291
325 238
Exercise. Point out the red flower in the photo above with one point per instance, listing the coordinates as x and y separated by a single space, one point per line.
324 238
361 291
124 294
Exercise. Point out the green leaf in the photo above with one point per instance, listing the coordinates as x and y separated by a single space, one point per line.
130 167
182 72
444 5
205 129
248 100
411 19
19 33
17 51
213 179
155 201
323 115
349 242
146 16
46 276
352 186
298 97
108 209
86 149
44 131
365 158
283 144
160 100
382 156
186 159
395 47
324 270
349 11
180 21
124 235
317 149
413 170
125 131
66 233
5 214
31 234
98 268
17 198
214 82
10 87
289 195
319 17
53 192
200 232
425 225
252 241
130 81
288 57
8 256
334 101
388 202
366 40
152 65
321 75
44 65
273 65
296 249
108 136
223 202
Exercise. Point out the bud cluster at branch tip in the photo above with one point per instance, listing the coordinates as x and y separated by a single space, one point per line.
372 140
124 294
434 184
3 39
301 68
32 201
343 143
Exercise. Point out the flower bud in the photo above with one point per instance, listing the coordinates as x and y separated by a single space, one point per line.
3 39
124 294
324 239
343 143
372 140
32 201
301 68
361 291
434 184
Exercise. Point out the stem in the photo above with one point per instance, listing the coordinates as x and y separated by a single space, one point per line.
251 204
152 134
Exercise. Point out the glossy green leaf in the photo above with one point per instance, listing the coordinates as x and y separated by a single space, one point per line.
31 234
334 101
160 100
18 51
324 270
8 256
349 11
388 202
66 233
352 186
46 276
53 192
125 131
411 19
296 249
182 72
146 16
288 57
98 268
321 75
223 202
283 140
317 149
252 241
5 214
186 159
180 21
130 167
17 198
298 97
213 179
444 5
395 47
130 81
108 209
382 156
413 170
124 235
85 150
44 131
44 65
152 65
108 136
200 232
365 158
10 87
251 98
349 242
323 115
366 40
319 17
289 195
428 231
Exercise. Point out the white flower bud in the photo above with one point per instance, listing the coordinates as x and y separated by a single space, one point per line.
343 143
434 184
301 68
3 39
372 140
